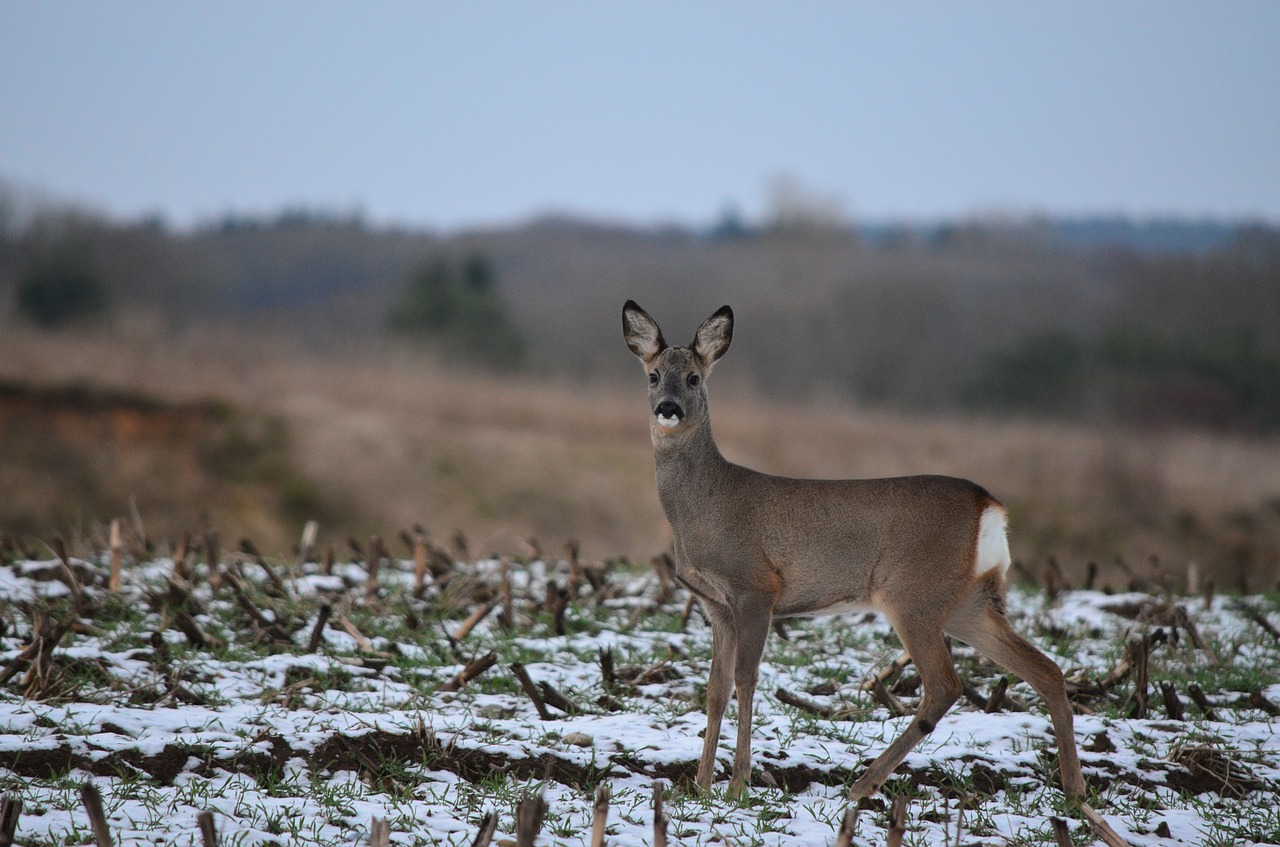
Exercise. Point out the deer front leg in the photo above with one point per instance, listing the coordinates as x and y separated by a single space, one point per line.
752 617
724 648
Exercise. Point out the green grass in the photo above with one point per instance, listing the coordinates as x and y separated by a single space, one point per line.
303 803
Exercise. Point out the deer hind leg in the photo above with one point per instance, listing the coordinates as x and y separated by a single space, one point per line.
980 622
925 644
724 651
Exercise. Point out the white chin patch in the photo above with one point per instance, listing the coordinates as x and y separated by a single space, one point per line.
668 422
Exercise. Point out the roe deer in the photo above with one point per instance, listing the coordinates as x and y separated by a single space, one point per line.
928 551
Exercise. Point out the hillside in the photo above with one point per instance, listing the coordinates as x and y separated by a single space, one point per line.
1101 320
1122 401
374 442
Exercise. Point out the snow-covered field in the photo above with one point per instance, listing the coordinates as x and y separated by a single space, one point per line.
291 746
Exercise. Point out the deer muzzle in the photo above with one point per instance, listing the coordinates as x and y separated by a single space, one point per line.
668 413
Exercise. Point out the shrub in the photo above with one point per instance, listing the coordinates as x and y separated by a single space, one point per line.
60 290
1040 372
457 308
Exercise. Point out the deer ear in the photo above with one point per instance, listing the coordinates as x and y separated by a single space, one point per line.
641 332
713 337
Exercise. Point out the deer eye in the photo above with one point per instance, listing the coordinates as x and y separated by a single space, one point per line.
653 377
694 379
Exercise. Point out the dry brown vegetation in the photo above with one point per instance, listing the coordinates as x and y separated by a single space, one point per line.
377 439
992 314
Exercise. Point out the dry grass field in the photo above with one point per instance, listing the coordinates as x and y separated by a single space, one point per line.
375 440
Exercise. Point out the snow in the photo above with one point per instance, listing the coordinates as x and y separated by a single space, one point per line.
304 801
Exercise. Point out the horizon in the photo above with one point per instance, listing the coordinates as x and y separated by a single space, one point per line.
32 201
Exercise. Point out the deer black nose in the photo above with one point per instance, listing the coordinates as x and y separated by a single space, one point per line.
669 409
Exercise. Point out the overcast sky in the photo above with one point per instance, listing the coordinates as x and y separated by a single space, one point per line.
449 114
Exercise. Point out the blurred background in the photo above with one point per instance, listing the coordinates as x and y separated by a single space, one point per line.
267 263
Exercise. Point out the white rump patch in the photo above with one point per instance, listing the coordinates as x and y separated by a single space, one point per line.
993 543
668 422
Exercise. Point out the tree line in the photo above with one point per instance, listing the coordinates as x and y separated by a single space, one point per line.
997 316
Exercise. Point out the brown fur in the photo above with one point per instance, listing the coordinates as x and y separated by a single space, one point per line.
753 546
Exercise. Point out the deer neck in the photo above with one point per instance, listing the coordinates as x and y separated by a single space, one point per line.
688 465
